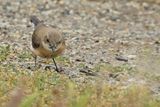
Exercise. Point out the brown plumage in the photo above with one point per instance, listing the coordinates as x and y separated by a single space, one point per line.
47 42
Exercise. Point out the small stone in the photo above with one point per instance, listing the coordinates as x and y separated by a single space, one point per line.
131 57
122 58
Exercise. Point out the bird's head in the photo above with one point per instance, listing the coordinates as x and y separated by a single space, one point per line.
35 20
52 41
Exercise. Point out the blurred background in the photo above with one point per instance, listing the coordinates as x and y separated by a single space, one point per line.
118 40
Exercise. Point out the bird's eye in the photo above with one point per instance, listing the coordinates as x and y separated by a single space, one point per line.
59 42
47 40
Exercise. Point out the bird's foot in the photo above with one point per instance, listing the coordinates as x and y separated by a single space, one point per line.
59 70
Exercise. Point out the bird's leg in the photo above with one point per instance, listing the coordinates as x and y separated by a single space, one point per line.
35 61
55 64
54 59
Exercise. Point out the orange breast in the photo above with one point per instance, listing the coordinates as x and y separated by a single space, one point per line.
44 53
60 50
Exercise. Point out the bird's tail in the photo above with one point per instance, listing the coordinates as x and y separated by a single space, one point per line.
35 20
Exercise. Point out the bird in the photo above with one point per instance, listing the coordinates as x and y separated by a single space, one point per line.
47 42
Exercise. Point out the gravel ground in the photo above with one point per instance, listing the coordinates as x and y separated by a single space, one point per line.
112 32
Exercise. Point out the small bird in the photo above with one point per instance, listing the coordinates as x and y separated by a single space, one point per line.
47 42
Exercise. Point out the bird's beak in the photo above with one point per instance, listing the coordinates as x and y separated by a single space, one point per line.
52 47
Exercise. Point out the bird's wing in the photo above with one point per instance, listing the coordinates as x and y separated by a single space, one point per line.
35 41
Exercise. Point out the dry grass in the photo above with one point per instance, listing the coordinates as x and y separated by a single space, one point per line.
40 89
